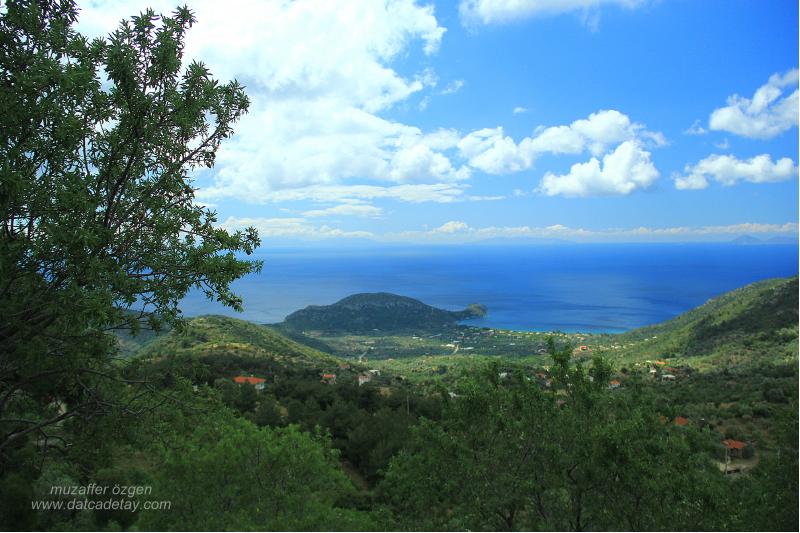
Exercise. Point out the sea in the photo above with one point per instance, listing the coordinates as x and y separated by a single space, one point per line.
593 288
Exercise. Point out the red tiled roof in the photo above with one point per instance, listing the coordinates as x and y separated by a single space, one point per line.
680 421
615 382
328 376
248 379
734 444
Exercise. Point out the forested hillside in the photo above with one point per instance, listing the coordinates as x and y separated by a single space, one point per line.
209 335
755 323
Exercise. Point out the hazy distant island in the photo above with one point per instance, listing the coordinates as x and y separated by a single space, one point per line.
378 311
778 239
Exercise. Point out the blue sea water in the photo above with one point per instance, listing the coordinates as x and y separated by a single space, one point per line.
583 287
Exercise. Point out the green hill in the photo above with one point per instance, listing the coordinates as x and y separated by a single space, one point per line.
756 322
217 335
377 311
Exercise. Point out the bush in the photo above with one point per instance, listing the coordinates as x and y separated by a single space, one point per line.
774 395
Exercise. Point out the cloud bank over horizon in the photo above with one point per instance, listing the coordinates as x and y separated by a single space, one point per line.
459 232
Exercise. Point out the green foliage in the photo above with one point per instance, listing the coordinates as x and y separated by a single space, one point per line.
246 397
97 208
268 413
758 322
226 338
230 475
16 493
508 456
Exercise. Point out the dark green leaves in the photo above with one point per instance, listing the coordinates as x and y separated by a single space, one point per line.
99 224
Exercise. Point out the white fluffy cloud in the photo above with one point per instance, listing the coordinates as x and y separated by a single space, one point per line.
729 170
626 164
621 172
492 151
318 74
454 226
767 114
500 11
419 162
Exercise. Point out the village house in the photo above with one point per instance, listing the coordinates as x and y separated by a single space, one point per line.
735 448
614 384
330 379
258 383
364 378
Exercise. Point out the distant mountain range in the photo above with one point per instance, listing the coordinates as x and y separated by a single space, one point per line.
380 311
778 239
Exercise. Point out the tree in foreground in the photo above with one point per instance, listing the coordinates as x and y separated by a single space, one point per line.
227 475
100 227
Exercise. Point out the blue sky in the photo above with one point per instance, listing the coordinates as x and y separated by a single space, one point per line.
586 120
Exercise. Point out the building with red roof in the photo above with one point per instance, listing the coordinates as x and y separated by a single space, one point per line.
734 444
258 383
735 447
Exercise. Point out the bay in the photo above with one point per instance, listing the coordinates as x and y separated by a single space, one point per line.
568 287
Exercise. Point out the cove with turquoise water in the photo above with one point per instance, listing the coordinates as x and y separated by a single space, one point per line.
568 287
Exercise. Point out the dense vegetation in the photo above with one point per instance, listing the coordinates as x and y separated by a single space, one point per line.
496 450
218 424
99 227
377 311
755 323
